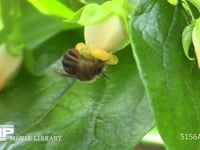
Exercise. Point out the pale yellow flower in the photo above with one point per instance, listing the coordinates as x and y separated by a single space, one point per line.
103 39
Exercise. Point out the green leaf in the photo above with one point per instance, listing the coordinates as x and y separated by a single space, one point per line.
153 138
187 40
53 8
107 114
171 80
22 104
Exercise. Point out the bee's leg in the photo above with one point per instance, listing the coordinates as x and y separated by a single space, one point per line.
71 55
103 73
104 56
112 61
100 54
61 72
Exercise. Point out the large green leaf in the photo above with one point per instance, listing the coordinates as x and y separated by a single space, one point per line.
36 27
107 114
54 8
171 79
29 97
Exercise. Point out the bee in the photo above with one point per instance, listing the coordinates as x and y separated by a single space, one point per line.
77 66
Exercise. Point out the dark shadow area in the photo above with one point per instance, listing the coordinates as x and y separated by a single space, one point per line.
149 147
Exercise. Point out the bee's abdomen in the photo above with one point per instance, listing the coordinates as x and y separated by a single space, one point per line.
78 67
70 61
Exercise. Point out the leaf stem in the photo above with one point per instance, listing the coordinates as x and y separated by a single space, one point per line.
15 13
187 9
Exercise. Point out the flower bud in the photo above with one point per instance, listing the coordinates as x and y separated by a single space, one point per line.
104 38
8 65
105 30
196 40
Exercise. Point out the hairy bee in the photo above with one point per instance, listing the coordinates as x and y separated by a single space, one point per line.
76 66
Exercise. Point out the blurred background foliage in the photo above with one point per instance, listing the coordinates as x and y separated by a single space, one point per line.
106 114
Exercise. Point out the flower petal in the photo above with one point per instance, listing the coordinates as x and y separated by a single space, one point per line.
8 66
108 35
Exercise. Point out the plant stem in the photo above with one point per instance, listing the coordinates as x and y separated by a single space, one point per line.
187 9
1 20
11 13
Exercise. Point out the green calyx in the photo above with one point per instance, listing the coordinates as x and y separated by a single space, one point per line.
94 13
